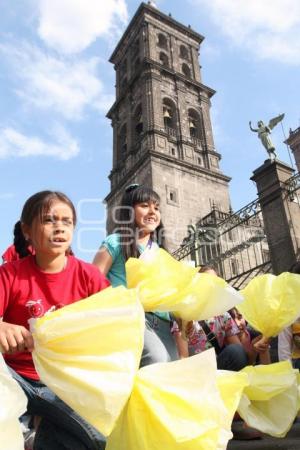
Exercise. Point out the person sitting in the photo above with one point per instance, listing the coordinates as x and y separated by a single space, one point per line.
31 286
220 332
138 230
289 338
251 340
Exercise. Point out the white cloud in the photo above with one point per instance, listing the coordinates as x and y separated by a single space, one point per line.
16 144
270 29
70 26
66 86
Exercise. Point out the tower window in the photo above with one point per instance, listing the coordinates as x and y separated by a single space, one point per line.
164 60
172 196
169 114
194 124
138 125
173 151
162 41
192 127
186 70
184 52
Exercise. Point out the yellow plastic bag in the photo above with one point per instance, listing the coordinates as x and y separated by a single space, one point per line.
204 297
231 386
271 401
174 406
165 284
159 277
12 405
88 353
271 302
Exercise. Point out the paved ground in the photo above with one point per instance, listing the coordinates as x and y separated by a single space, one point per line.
290 442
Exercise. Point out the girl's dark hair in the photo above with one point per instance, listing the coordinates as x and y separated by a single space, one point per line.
125 223
35 207
204 269
20 243
233 312
295 268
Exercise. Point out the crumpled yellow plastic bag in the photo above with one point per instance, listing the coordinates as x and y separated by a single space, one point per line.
175 406
271 302
231 386
204 297
89 352
159 277
165 284
13 404
271 401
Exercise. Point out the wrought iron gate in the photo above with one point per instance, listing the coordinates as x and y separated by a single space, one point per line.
234 244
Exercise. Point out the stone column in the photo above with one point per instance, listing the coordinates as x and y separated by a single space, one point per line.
281 214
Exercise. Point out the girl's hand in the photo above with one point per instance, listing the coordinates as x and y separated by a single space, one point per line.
261 344
190 328
15 338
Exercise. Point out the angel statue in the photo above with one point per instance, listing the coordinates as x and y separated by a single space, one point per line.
263 132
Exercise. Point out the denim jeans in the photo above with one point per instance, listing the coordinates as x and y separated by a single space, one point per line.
232 357
159 343
61 428
296 363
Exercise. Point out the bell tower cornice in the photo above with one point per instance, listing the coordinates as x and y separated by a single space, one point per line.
140 18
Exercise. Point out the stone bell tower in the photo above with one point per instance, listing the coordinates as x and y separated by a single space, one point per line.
162 134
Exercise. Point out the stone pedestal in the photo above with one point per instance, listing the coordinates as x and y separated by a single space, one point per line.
281 214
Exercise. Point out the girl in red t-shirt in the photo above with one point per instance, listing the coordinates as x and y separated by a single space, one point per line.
29 287
24 248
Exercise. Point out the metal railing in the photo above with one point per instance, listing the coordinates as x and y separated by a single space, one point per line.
171 131
234 244
292 185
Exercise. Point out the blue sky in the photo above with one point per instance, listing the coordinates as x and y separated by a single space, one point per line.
56 85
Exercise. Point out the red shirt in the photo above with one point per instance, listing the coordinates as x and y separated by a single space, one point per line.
11 253
26 292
